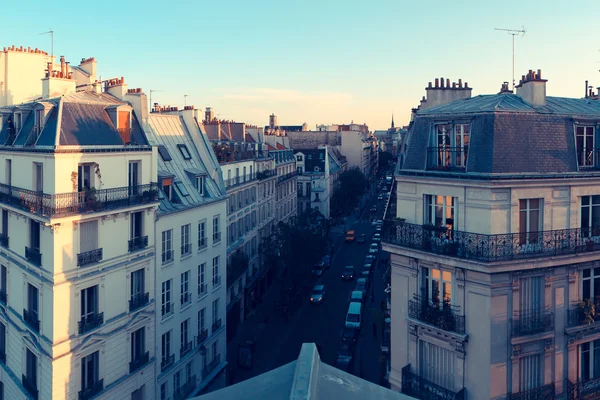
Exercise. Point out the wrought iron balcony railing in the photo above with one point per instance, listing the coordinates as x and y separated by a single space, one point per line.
528 322
584 314
487 248
216 325
92 390
185 299
583 390
89 257
443 316
33 256
184 391
210 367
90 322
186 249
185 348
51 205
31 319
420 388
30 386
167 256
138 300
167 310
202 289
4 240
138 243
216 237
201 337
216 281
167 362
139 362
541 393
239 180
447 158
287 176
202 243
265 174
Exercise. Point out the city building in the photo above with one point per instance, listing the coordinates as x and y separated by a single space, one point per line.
313 166
78 201
495 246
285 189
190 257
303 379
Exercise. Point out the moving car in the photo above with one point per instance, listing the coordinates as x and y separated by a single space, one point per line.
326 261
356 296
374 248
378 228
353 316
350 236
319 268
348 273
361 285
361 238
317 294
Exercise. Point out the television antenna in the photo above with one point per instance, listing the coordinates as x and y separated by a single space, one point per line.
152 91
185 96
51 33
513 33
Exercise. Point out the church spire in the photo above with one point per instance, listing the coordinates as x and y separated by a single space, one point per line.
392 120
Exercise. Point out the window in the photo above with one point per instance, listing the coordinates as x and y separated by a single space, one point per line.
199 184
531 296
34 235
188 372
184 151
530 220
137 283
138 344
163 391
185 288
590 215
590 360
201 320
90 371
167 307
84 177
436 364
135 225
215 351
38 177
31 367
590 283
166 347
18 121
298 158
177 382
185 325
530 368
440 211
436 286
201 235
216 231
584 139
202 279
181 187
3 284
186 246
215 270
3 341
88 236
8 172
32 302
138 394
133 177
164 153
215 311
167 246
450 149
300 170
89 303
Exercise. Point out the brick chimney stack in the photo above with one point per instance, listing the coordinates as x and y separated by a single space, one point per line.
443 92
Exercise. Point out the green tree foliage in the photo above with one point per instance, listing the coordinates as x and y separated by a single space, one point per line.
352 185
237 266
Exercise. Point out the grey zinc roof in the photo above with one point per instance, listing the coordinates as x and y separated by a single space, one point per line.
169 131
306 378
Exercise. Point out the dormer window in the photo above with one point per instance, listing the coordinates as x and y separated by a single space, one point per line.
124 125
450 146
167 187
39 120
584 139
184 151
18 121
164 153
199 184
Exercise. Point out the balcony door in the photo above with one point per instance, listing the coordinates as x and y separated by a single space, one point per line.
90 371
31 367
134 179
135 222
436 364
589 355
530 220
84 178
138 344
32 302
89 302
530 368
88 236
137 283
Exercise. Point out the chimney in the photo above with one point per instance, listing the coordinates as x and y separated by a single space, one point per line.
532 89
89 66
117 87
63 70
139 101
209 115
444 92
586 89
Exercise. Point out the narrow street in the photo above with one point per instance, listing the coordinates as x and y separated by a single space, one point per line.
322 324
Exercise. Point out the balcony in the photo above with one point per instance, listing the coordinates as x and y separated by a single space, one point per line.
30 386
94 200
184 391
4 240
89 257
529 322
447 158
287 176
91 391
31 319
90 322
185 348
488 248
586 390
210 367
239 180
201 337
139 362
420 388
138 300
33 256
586 313
542 393
445 318
167 362
138 243
202 243
216 325
265 174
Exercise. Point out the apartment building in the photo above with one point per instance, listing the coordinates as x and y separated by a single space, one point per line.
495 248
190 258
313 168
285 188
77 200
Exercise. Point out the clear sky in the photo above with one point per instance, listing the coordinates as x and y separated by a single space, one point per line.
315 61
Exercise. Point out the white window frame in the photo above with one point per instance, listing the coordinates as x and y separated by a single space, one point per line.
215 310
202 279
215 271
530 236
590 227
433 203
167 298
442 281
166 345
216 229
167 246
186 296
593 348
186 243
587 157
594 274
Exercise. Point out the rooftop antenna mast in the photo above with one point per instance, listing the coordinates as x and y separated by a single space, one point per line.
185 96
152 91
51 33
513 33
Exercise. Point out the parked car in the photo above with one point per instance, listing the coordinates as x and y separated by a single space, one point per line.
349 335
374 248
366 275
344 358
360 238
367 266
348 273
370 259
354 315
326 261
318 269
361 285
377 238
317 294
356 296
380 197
377 223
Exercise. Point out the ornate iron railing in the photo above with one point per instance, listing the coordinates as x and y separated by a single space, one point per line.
202 243
444 157
265 174
210 367
91 391
216 325
202 289
138 300
31 319
90 322
33 256
545 392
239 180
527 322
483 247
420 388
583 390
185 348
443 316
185 390
186 249
89 257
185 298
4 240
136 364
168 256
287 176
30 386
138 243
201 337
582 315
166 362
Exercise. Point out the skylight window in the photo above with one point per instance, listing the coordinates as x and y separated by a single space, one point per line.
181 188
184 151
164 153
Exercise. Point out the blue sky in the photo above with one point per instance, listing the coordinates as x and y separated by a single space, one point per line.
315 61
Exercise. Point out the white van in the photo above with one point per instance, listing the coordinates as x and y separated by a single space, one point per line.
354 315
